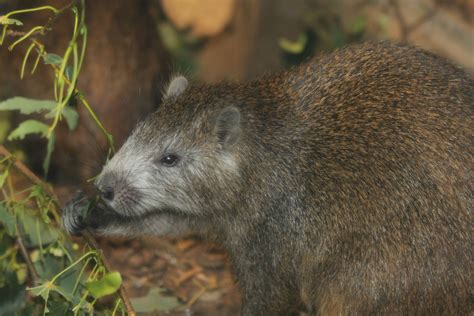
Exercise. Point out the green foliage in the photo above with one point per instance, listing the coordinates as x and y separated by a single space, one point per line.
179 46
66 68
107 285
52 59
7 219
67 279
295 47
324 30
29 106
155 301
42 270
28 127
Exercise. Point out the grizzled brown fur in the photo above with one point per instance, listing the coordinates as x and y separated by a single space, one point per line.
353 186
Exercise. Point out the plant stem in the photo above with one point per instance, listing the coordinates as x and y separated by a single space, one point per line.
29 263
81 98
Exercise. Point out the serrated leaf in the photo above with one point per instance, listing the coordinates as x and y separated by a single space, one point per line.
36 231
9 21
28 127
27 106
155 301
48 266
42 290
109 284
52 59
65 285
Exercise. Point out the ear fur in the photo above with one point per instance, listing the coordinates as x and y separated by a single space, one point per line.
228 126
176 87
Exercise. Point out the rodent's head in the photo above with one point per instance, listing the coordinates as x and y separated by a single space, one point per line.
181 159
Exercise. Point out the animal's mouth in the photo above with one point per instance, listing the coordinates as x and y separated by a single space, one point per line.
85 212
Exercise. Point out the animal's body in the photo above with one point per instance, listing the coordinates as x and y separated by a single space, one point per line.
342 186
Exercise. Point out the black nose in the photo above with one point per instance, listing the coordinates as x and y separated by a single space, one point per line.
107 193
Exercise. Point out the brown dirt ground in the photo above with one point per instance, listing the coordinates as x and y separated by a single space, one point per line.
198 273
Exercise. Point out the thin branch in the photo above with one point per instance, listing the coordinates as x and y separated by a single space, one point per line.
29 263
28 173
407 29
401 20
88 238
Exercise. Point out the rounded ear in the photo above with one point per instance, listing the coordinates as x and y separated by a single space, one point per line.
176 87
228 126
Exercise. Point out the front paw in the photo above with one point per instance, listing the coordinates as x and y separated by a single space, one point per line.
75 212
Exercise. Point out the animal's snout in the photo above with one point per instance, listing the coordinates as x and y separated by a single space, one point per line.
106 187
107 193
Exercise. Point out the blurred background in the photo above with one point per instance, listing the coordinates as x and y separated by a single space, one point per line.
133 49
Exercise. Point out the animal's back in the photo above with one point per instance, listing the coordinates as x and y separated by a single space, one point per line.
344 185
386 132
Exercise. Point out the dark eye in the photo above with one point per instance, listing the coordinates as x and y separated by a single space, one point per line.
169 160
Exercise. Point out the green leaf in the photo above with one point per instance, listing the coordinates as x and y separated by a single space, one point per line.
52 59
27 106
49 266
359 24
29 127
59 308
9 21
36 231
155 301
7 219
71 116
169 36
295 47
12 295
42 290
109 284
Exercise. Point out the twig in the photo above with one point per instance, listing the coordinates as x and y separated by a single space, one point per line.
28 173
401 20
24 252
88 238
405 28
29 263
